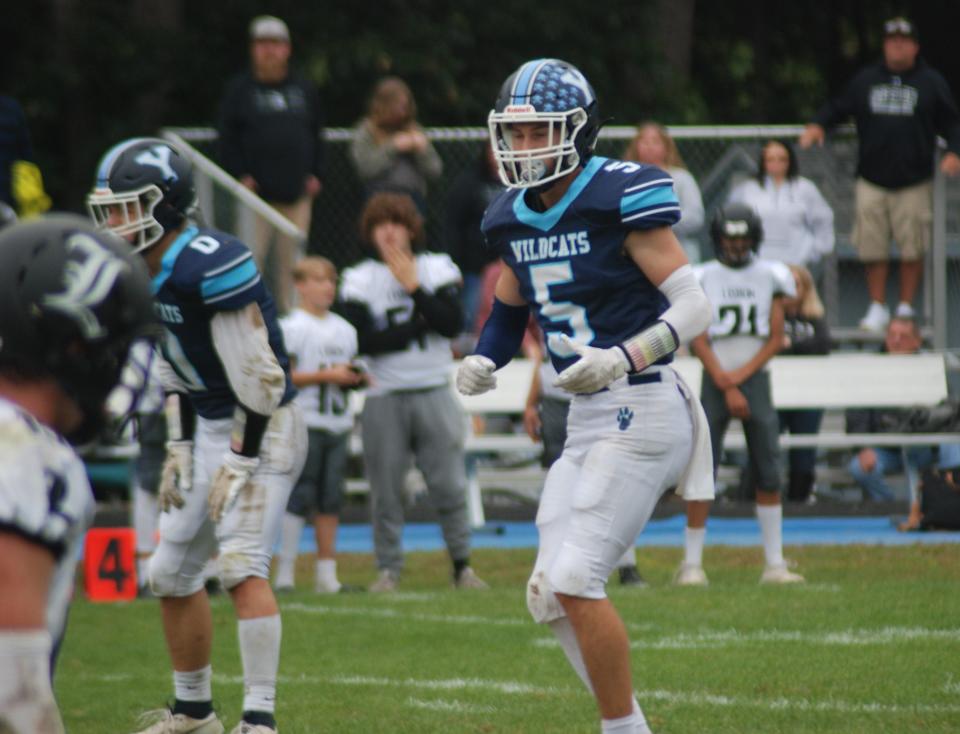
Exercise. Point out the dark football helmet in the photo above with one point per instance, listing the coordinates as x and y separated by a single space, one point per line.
144 188
737 232
72 301
546 91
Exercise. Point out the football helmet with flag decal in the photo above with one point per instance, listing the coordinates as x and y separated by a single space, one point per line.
736 231
72 301
144 188
553 93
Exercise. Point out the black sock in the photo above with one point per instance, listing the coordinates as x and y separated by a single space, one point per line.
259 718
193 709
458 567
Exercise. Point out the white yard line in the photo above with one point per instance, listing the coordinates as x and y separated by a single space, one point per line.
453 707
729 638
684 698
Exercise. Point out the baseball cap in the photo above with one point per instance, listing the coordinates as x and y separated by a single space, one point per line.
268 27
899 26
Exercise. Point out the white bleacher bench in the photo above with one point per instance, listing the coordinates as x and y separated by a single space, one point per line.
832 382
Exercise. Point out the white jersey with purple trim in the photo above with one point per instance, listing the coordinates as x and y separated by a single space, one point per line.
741 299
315 343
45 497
570 261
426 361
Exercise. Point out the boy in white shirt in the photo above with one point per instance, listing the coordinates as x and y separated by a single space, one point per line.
321 346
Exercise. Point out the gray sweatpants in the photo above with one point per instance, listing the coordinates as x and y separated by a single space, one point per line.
430 426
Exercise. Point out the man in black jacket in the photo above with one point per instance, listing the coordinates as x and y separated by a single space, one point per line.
900 105
271 141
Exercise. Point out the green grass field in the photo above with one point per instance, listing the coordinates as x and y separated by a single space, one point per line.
870 644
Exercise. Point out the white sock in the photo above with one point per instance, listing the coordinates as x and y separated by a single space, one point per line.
145 514
571 648
291 530
624 725
770 518
693 540
326 574
193 685
260 655
629 558
642 727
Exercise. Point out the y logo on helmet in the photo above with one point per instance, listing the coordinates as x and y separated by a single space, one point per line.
87 283
159 157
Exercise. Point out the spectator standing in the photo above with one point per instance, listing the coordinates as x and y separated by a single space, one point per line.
746 293
472 191
405 306
871 465
390 150
900 105
21 184
653 145
271 140
797 220
322 346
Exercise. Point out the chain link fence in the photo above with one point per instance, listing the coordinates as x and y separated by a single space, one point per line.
718 157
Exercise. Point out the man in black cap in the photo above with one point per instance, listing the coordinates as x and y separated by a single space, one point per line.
900 105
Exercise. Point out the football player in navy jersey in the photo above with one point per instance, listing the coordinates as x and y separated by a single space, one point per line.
236 443
589 248
72 301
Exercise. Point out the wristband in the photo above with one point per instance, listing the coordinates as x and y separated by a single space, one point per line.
650 345
248 431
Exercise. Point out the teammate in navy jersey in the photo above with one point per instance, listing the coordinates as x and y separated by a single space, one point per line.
72 300
236 443
589 248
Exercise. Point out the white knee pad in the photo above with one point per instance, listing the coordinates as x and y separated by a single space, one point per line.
572 574
541 601
171 573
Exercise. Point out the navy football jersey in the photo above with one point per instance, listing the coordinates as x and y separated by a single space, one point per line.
570 261
204 272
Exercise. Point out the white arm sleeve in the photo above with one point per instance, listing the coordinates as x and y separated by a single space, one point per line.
689 313
240 339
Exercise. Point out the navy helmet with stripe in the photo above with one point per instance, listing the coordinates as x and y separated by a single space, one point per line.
553 93
144 189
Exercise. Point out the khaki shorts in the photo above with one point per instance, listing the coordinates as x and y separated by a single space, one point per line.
905 215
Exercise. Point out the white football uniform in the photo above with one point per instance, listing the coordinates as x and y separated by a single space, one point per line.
426 362
315 343
741 300
45 497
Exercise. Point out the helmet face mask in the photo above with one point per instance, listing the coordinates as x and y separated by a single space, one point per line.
128 214
737 232
144 189
549 93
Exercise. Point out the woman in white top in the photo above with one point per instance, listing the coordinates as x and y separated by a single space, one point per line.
652 144
797 220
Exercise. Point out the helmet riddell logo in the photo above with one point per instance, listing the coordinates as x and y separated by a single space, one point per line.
159 157
520 109
86 284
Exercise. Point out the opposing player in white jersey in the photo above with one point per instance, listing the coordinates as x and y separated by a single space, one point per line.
746 332
236 442
589 248
322 346
405 306
72 300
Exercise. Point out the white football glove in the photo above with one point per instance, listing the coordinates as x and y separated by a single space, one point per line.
232 476
595 369
176 477
475 375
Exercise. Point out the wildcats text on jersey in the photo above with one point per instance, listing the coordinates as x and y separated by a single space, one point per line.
532 249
